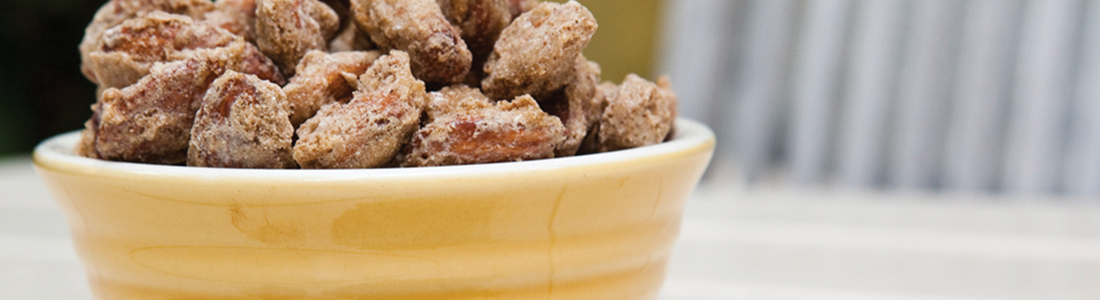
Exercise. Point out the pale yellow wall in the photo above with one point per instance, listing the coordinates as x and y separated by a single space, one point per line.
627 36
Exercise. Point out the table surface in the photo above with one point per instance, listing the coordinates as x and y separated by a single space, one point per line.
764 242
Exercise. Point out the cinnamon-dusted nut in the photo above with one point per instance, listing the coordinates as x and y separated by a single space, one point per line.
321 79
86 146
243 123
369 130
114 12
536 53
479 20
573 105
236 16
150 121
640 113
435 47
518 7
128 50
287 29
465 127
604 91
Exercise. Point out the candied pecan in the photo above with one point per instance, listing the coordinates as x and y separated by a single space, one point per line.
114 12
480 21
466 128
321 79
435 47
242 123
287 29
640 113
369 130
573 105
86 146
536 53
252 61
518 7
236 16
664 86
150 121
604 91
454 98
351 38
129 49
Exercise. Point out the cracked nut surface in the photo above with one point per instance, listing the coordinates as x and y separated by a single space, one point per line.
536 53
287 29
368 131
129 49
114 12
236 16
150 121
465 127
436 50
480 21
573 105
242 123
640 113
322 78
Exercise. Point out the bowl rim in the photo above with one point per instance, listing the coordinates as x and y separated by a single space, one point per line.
56 153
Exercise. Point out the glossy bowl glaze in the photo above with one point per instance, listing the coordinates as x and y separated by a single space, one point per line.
586 227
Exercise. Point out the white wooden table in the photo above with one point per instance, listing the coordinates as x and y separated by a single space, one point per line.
739 243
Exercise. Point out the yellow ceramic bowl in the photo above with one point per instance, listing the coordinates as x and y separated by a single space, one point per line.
586 227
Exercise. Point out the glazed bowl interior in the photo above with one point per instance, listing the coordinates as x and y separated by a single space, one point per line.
594 226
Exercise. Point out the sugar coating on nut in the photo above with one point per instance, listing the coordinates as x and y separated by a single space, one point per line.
535 54
454 98
369 130
322 79
640 113
129 49
664 86
591 142
465 127
236 16
436 50
150 121
479 20
351 38
86 146
153 61
518 7
115 12
573 105
287 29
242 123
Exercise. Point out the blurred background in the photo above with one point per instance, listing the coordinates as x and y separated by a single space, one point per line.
42 91
987 96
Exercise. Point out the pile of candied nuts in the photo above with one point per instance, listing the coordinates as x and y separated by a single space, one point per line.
356 84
